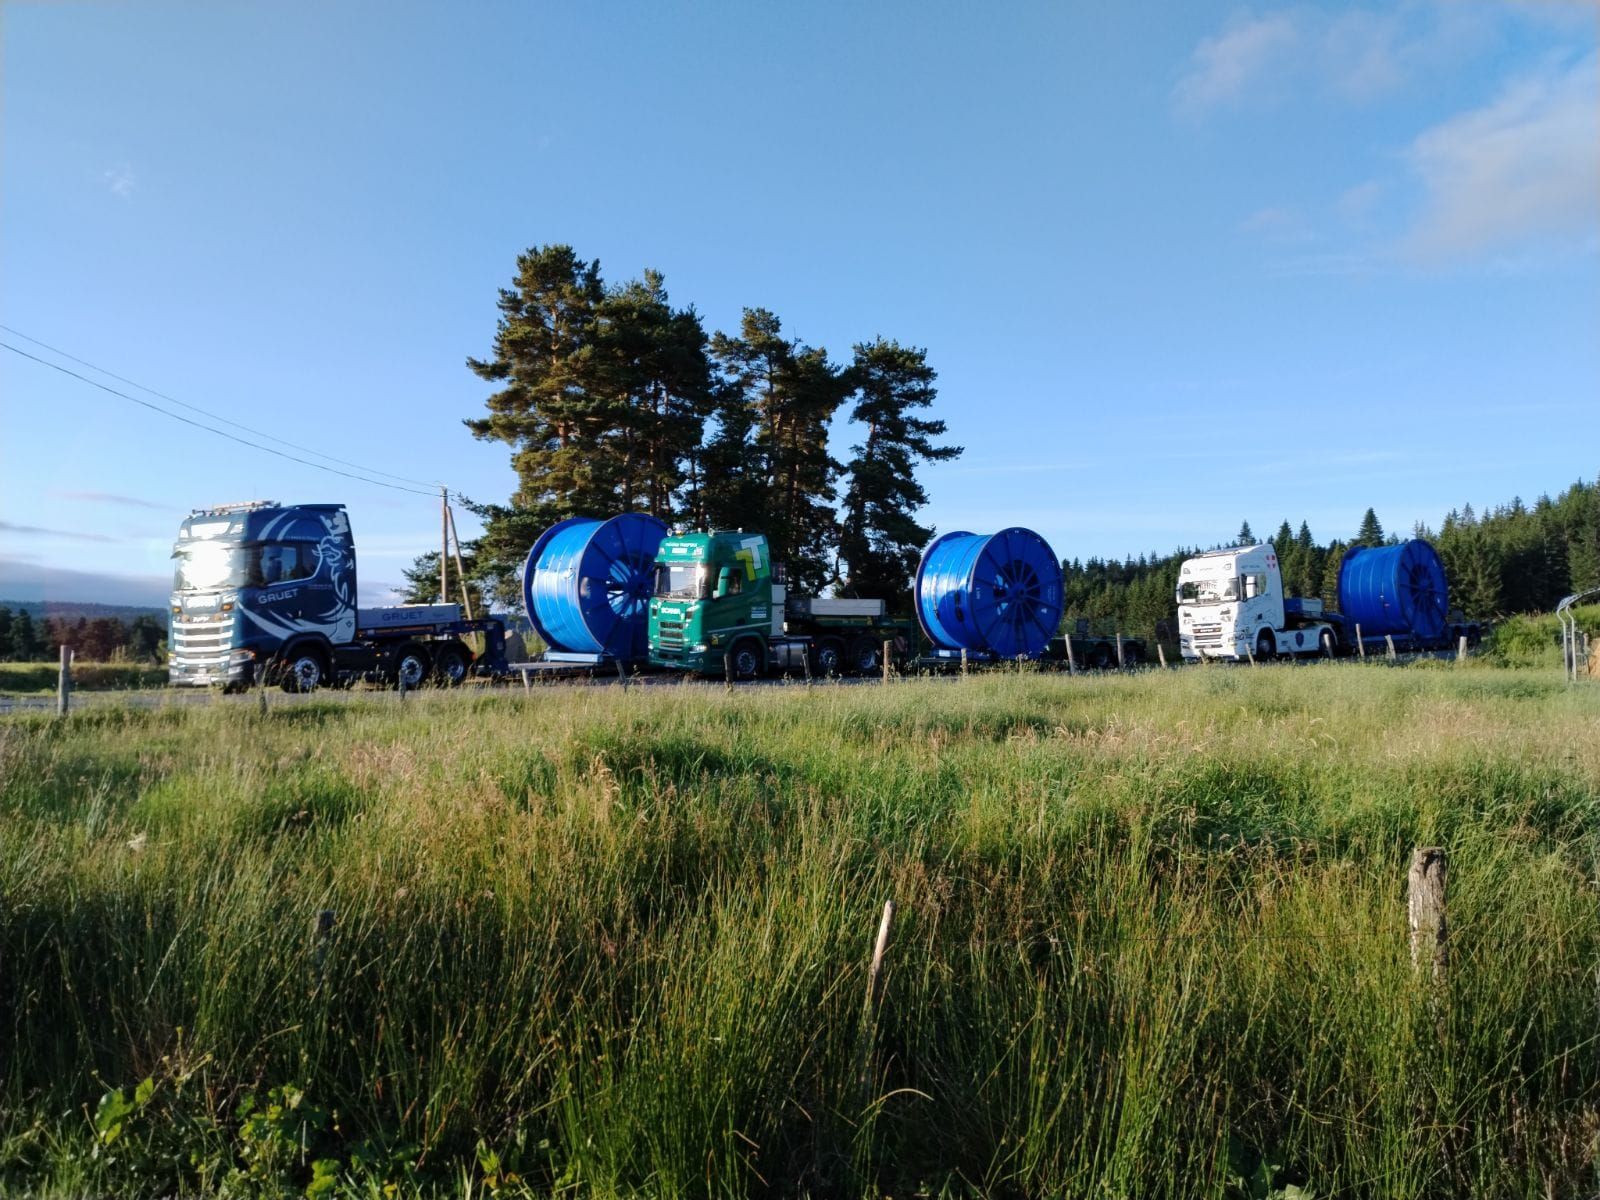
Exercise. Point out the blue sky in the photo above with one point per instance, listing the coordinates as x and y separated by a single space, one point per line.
1177 265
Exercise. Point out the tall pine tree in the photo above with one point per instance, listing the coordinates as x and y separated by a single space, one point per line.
880 539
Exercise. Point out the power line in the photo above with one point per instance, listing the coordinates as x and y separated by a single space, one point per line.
204 412
209 429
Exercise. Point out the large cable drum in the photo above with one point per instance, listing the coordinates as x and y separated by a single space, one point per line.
998 593
1396 589
587 584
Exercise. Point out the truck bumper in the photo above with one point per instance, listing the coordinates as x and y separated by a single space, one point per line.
234 671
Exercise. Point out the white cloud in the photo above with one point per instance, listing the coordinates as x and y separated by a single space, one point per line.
1276 224
1224 67
121 181
1523 168
1356 203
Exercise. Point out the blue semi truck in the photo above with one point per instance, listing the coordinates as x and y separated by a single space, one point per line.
265 593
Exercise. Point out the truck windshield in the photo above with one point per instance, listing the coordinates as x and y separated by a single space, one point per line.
1208 591
680 583
206 565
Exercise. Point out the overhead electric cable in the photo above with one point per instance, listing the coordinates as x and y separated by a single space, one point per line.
82 362
219 432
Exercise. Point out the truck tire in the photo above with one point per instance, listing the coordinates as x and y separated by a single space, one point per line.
1102 657
866 656
1266 646
746 658
450 665
304 671
1132 656
827 657
411 667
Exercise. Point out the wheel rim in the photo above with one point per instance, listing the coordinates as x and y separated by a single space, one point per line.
307 673
453 667
411 670
828 660
744 662
1263 645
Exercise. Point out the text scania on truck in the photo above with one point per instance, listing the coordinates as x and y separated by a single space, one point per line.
266 593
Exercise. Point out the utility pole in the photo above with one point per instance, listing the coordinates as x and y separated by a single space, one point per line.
444 542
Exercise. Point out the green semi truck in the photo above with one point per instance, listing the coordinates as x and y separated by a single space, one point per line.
721 606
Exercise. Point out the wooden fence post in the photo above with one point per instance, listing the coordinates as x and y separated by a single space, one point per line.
321 935
1388 641
880 950
1361 646
1121 664
1072 659
622 674
963 662
1161 653
1425 904
886 645
1461 649
64 683
527 684
401 679
261 699
1251 655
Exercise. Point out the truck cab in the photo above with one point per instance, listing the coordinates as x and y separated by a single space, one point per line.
721 605
714 592
1231 605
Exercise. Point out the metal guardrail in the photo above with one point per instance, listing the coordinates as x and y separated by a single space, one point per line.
1569 631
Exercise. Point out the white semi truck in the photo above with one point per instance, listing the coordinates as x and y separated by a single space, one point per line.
1231 605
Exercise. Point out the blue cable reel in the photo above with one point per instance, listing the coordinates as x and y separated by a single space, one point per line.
1398 589
587 584
996 594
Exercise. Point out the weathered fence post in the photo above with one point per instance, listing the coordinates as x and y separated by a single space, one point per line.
869 1027
805 666
402 681
64 683
527 684
1425 904
1161 653
1121 663
622 674
1461 649
963 662
727 668
1072 659
886 645
1361 646
321 935
1251 655
1327 642
261 699
1388 641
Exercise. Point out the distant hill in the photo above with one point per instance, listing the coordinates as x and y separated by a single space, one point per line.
71 610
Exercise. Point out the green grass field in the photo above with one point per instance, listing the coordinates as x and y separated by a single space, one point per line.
1150 941
30 679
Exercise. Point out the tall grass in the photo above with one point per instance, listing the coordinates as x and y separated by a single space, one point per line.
1150 940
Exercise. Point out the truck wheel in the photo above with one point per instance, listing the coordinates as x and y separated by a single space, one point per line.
746 657
866 657
1266 646
827 657
1102 657
410 667
450 666
304 671
1131 655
